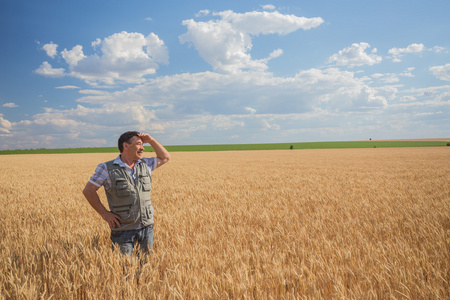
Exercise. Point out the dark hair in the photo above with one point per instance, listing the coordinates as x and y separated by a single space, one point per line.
126 137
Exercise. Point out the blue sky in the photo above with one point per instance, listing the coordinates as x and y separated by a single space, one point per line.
79 73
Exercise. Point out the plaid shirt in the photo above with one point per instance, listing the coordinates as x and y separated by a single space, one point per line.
101 176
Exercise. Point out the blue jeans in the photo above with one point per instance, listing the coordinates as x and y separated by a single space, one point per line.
128 238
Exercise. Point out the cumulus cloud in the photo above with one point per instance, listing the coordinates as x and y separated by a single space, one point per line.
95 44
51 49
218 93
46 69
241 102
441 72
78 127
108 115
355 55
256 23
315 104
225 43
123 57
5 126
398 53
186 107
73 56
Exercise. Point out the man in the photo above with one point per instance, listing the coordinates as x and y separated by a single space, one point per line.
127 184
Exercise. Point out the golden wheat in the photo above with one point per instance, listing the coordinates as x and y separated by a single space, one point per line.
306 224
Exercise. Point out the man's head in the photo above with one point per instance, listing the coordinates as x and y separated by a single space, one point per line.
127 138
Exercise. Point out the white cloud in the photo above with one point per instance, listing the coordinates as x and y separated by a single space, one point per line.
226 43
242 102
221 122
96 43
397 53
78 127
269 124
393 77
408 72
247 107
389 78
413 48
438 93
441 72
275 53
268 7
5 126
10 105
355 55
408 99
438 49
202 13
256 23
214 93
46 69
93 92
252 111
124 57
156 50
73 56
221 46
67 87
50 49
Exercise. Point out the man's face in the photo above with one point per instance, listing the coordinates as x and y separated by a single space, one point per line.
135 148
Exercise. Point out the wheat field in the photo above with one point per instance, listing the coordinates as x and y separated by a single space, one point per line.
287 224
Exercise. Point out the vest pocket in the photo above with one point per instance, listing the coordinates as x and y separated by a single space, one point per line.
149 213
146 183
122 189
123 211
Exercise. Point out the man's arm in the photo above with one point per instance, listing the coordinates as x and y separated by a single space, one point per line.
90 192
162 154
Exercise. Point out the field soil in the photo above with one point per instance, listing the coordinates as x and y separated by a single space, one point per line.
308 224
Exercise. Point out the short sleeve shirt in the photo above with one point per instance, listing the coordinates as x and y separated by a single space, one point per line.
101 175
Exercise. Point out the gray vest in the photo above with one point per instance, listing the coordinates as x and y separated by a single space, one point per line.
130 199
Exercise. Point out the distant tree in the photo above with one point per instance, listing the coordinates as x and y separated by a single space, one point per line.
291 147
